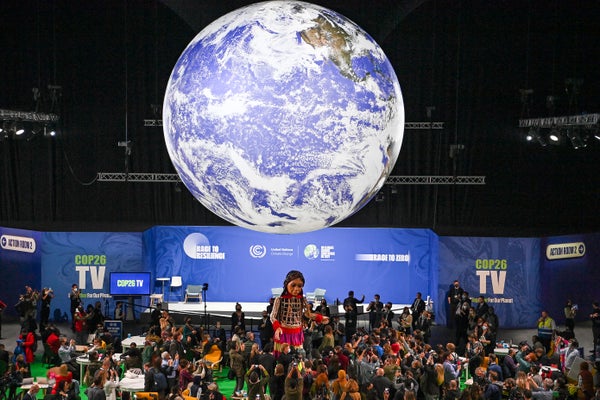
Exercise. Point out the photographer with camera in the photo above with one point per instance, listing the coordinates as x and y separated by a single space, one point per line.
257 379
75 303
47 296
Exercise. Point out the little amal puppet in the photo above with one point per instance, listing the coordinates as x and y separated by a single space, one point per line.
288 311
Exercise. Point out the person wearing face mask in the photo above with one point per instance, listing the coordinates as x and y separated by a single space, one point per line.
461 319
482 308
238 319
453 297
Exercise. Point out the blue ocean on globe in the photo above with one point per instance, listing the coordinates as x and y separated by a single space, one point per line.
283 117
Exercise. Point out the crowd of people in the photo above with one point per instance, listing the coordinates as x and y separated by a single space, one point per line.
306 352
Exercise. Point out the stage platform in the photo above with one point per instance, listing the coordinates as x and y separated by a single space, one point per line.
221 311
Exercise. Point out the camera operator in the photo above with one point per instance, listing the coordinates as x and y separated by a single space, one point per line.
75 303
257 379
47 296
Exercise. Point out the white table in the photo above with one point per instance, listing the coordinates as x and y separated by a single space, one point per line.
138 340
132 384
84 360
163 280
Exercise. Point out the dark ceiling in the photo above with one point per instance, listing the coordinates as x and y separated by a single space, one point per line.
462 63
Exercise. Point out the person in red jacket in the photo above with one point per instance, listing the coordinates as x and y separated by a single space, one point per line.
29 340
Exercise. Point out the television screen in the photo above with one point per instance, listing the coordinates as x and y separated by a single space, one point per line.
130 283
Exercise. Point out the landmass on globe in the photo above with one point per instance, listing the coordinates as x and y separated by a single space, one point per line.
283 117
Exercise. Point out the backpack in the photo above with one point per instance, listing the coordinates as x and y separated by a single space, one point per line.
160 380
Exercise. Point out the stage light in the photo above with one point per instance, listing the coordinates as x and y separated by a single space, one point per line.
534 134
49 131
556 136
19 130
576 140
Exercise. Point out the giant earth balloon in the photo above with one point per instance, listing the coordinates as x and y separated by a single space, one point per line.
283 117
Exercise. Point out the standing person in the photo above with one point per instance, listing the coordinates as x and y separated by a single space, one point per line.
47 296
338 330
119 314
351 308
351 303
288 311
75 303
236 364
375 309
482 308
570 311
453 297
80 318
323 308
266 329
257 379
424 325
417 307
405 320
238 319
595 317
546 328
388 314
29 341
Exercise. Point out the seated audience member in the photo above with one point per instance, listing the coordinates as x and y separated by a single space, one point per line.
66 351
132 357
59 374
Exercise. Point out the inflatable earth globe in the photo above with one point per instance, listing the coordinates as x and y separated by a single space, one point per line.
283 117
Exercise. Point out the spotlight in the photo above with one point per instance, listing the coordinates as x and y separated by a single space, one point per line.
534 134
19 130
49 131
530 135
576 140
555 136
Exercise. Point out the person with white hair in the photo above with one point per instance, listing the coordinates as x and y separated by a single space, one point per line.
170 366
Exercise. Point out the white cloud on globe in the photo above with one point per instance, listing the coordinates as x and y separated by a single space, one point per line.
283 117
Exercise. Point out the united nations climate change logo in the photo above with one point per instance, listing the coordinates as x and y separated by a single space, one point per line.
311 251
258 251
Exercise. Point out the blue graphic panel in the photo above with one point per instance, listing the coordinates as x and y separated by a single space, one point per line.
504 270
20 255
87 259
243 265
570 270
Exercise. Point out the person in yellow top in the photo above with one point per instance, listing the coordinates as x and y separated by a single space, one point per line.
546 328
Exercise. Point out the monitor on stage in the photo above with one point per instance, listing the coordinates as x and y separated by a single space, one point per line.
130 283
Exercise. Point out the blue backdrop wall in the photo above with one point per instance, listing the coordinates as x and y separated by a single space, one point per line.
503 270
243 265
570 269
518 276
20 255
87 259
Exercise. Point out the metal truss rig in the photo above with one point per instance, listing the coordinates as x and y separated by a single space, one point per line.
151 177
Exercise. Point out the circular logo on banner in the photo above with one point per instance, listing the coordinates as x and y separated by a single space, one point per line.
311 251
258 251
194 243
